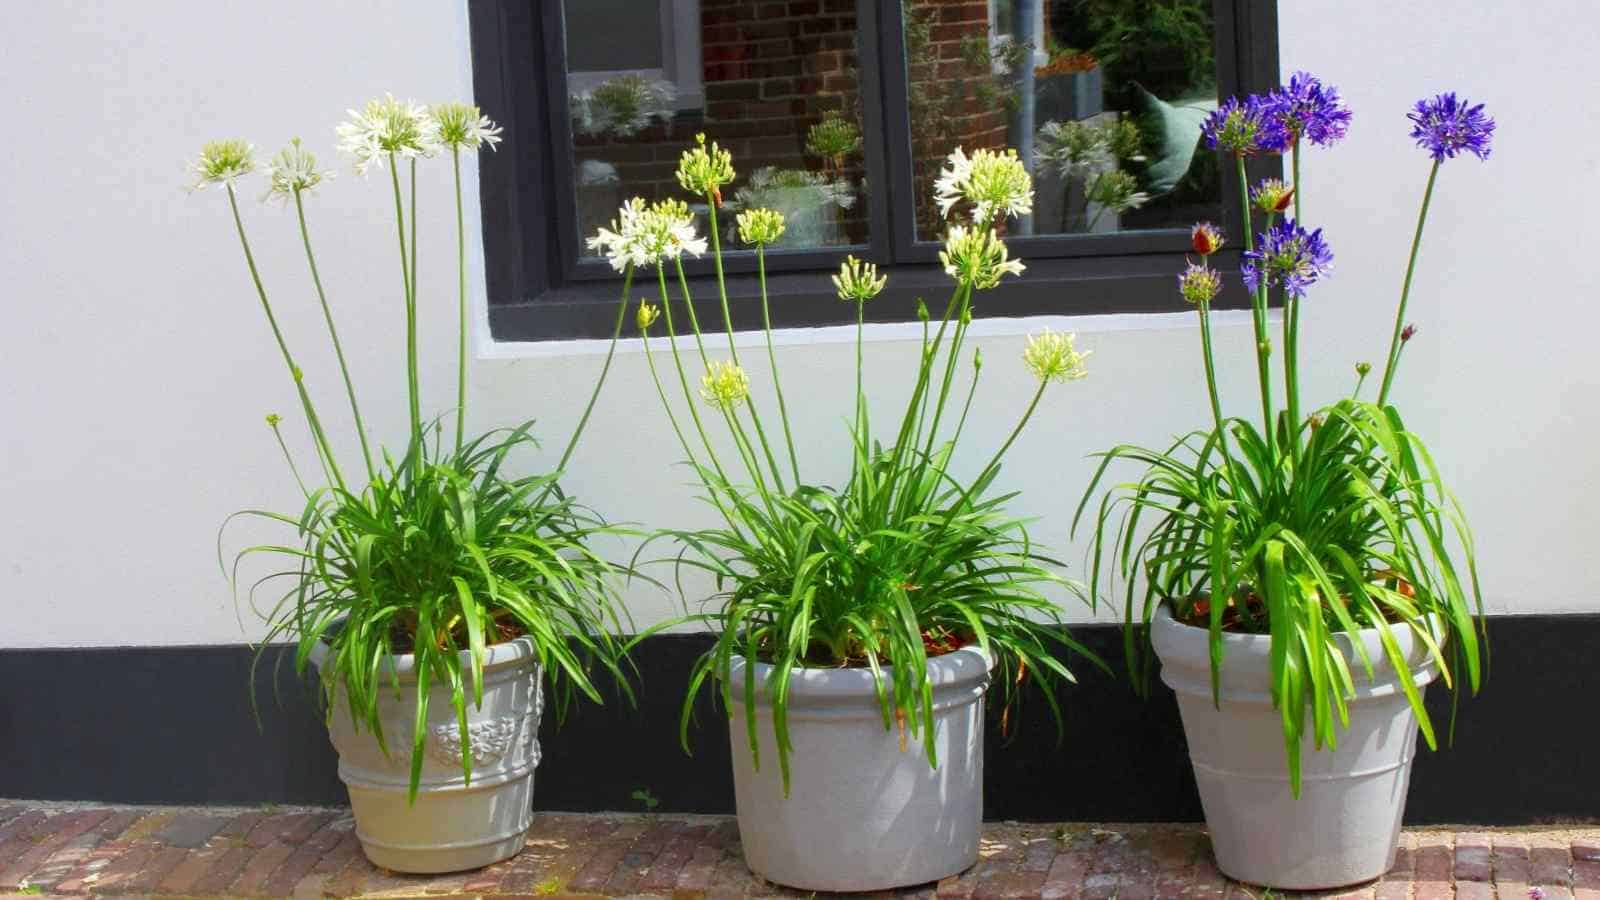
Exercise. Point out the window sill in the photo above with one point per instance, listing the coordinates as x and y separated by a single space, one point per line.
880 332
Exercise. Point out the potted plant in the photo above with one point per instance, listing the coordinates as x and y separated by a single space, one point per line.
1302 578
856 625
434 591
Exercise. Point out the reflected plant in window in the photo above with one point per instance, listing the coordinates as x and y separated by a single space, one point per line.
623 106
810 203
1089 156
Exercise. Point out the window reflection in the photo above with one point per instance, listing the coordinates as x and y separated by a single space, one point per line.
773 81
1103 99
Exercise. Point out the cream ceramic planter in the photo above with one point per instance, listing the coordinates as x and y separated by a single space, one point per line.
862 814
452 825
1344 827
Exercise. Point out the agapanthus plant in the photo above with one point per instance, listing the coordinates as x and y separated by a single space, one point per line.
1300 526
441 551
905 559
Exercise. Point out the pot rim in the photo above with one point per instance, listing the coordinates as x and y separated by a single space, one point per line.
503 655
1242 639
1181 645
967 664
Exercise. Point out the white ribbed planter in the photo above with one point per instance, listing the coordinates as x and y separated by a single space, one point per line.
862 814
1344 828
453 825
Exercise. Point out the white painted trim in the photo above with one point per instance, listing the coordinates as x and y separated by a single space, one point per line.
680 58
881 332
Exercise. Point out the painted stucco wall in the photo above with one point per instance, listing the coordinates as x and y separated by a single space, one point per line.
137 369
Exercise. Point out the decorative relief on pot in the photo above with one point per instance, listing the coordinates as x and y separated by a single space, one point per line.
489 741
530 746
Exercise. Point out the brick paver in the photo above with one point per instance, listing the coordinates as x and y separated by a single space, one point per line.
103 850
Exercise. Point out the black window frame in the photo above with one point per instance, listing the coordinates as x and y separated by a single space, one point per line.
540 289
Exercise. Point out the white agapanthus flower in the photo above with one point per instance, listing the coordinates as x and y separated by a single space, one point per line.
643 235
977 257
668 230
621 243
1052 356
997 185
462 126
292 171
385 128
221 163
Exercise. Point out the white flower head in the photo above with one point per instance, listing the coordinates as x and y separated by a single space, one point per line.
703 170
857 281
997 185
462 126
760 226
292 171
221 163
1051 356
385 128
666 230
725 385
977 257
645 234
621 242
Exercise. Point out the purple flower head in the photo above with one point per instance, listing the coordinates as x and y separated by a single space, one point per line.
1199 284
1245 128
1287 256
1445 126
1308 108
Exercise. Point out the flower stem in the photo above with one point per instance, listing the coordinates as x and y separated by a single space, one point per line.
413 407
949 370
616 333
1405 289
711 490
772 360
989 469
861 426
683 380
411 310
461 307
333 333
1291 332
727 324
1259 308
1204 310
287 457
329 464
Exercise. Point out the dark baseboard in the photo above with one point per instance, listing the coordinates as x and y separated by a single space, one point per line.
175 726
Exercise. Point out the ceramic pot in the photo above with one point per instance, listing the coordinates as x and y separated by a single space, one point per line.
1345 825
452 825
863 813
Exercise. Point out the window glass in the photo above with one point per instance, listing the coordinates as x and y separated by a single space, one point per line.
773 81
1103 99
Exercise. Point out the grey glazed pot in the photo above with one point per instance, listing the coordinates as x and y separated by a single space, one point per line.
1345 826
452 825
863 814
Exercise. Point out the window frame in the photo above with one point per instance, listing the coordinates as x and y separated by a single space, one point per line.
541 289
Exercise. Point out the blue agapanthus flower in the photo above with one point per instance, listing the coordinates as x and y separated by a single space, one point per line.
1287 256
1445 126
1245 127
1310 109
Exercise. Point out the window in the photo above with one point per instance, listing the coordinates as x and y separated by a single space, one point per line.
840 113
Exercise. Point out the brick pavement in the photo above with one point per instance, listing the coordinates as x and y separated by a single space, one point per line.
102 850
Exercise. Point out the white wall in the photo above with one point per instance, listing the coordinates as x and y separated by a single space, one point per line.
137 368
